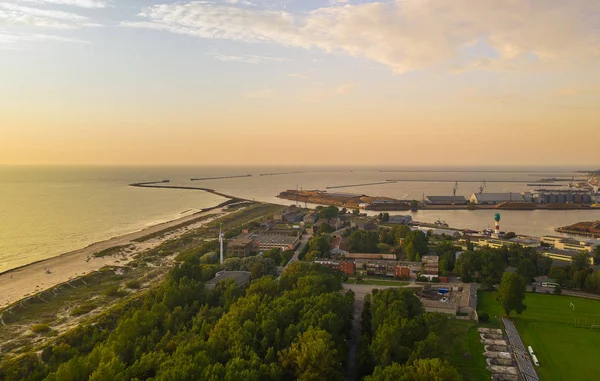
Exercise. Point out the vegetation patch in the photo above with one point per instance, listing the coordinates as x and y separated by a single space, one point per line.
133 284
83 309
110 251
40 328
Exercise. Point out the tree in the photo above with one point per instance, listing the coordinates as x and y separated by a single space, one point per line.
581 261
320 243
526 269
356 212
325 229
313 357
420 370
362 241
384 217
511 293
597 255
343 211
329 212
415 245
466 265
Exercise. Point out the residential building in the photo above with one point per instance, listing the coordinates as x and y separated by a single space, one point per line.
268 242
495 198
346 267
371 256
241 247
364 224
311 218
446 200
430 264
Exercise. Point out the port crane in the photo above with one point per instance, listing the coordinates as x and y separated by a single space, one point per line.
455 189
482 187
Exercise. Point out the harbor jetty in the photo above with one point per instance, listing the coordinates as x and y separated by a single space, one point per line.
589 229
279 173
156 185
219 177
359 185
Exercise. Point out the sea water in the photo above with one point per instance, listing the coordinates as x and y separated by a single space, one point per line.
46 211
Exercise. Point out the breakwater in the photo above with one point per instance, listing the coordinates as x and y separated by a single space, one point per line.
219 177
154 185
359 185
279 173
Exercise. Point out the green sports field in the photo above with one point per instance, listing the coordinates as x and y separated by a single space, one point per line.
565 352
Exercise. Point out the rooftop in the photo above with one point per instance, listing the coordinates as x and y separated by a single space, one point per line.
240 277
447 198
498 196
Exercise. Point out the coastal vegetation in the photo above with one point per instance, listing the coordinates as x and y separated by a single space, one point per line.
399 339
111 251
294 328
40 328
108 286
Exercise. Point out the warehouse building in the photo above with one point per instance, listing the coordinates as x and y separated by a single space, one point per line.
446 200
495 198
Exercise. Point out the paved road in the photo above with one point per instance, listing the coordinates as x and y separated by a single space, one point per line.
303 242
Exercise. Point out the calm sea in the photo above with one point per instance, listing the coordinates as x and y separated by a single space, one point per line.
46 211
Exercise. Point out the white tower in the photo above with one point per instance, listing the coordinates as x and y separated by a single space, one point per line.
221 243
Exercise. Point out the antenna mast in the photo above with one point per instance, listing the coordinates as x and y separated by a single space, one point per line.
221 242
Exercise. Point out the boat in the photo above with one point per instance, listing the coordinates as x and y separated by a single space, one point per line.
441 223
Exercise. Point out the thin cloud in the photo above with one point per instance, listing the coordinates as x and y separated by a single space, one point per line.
17 15
407 35
75 3
253 59
8 39
263 94
345 88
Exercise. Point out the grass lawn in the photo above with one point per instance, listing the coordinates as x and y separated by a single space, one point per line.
565 352
458 338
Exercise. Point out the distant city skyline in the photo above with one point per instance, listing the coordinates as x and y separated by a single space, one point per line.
305 82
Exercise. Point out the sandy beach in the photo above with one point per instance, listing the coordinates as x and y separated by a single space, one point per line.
27 280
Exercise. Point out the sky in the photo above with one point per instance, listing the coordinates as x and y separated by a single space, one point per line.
397 82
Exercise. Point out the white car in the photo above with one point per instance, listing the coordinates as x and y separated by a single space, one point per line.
444 300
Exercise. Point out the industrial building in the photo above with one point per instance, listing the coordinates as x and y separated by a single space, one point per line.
446 200
497 243
400 219
563 197
495 198
568 244
565 256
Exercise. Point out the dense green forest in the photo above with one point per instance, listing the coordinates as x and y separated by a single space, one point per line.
399 341
292 328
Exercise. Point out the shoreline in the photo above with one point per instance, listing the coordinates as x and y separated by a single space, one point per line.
29 279
124 235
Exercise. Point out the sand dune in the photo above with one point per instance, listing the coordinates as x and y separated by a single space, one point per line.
27 280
